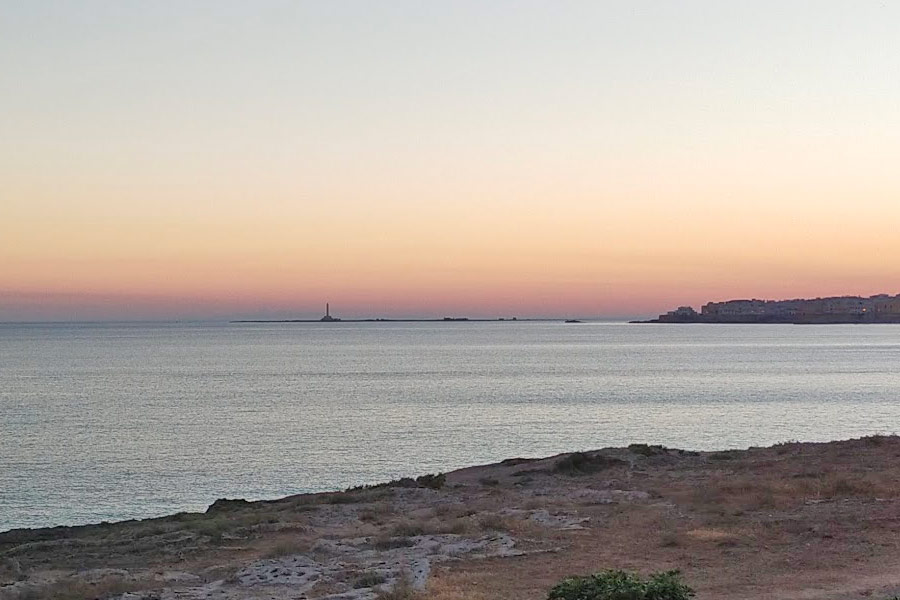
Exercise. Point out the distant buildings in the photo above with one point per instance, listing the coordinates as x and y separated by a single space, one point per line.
682 314
882 308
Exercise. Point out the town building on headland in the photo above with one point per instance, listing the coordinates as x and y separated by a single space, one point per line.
887 305
882 308
682 314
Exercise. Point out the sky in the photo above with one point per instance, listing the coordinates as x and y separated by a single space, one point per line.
194 160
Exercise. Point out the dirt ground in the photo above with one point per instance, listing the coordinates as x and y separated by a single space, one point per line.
793 521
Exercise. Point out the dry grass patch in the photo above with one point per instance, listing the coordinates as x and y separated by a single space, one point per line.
76 589
456 526
213 528
410 528
534 503
402 590
867 486
445 589
670 538
495 522
447 512
376 513
286 546
710 535
431 526
788 492
742 493
368 579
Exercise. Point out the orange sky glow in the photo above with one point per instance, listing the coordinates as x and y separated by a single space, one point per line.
144 176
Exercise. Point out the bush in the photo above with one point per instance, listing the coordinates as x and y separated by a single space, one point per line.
402 590
369 579
407 529
493 522
342 498
225 505
580 463
725 455
621 585
213 528
647 450
389 542
434 481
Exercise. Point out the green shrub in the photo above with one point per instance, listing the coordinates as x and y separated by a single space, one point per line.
225 505
725 455
434 481
369 579
213 528
579 463
622 585
647 450
341 498
389 542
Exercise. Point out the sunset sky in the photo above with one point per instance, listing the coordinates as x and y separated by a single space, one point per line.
406 158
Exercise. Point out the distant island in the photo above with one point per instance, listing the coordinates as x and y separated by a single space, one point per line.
329 318
882 308
389 320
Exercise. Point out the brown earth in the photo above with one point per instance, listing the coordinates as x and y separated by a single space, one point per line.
794 521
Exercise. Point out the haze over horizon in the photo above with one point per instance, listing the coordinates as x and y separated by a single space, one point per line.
403 159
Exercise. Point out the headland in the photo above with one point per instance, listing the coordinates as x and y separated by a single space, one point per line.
795 520
882 308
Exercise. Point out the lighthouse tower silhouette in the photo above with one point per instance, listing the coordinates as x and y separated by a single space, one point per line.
328 316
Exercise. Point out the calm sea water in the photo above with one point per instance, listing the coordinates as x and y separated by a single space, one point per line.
106 422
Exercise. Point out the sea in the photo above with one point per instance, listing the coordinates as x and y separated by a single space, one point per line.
104 422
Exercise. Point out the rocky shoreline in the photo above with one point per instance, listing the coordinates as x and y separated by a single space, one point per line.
796 520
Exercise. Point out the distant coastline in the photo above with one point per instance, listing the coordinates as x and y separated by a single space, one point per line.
329 318
380 320
881 308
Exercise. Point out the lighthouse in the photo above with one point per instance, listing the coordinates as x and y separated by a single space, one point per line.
328 317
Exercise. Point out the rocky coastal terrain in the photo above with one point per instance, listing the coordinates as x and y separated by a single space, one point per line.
792 521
